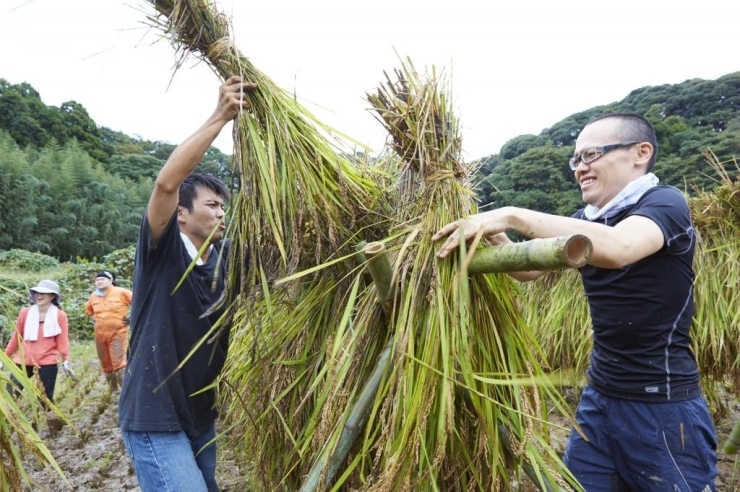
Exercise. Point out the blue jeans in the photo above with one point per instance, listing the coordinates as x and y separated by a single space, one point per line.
172 461
637 446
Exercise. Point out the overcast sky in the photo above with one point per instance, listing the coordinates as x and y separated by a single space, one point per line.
515 66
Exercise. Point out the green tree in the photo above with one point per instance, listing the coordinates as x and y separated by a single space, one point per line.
217 163
135 167
18 188
519 145
84 211
539 179
82 128
20 111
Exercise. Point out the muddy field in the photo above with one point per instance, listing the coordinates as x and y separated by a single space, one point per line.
93 458
91 454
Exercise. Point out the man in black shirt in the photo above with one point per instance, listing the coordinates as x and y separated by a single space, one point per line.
166 414
648 426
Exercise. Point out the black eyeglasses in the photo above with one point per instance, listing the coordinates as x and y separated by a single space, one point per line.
590 155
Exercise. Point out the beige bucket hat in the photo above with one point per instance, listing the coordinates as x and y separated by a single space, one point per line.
47 287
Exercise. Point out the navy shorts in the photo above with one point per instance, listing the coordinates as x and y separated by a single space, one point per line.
638 446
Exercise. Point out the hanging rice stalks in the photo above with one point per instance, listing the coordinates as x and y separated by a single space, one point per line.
462 402
18 437
716 323
555 307
300 199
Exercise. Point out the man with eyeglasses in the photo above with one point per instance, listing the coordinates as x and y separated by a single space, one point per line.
647 423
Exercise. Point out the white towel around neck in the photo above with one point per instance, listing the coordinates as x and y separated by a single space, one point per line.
625 198
51 326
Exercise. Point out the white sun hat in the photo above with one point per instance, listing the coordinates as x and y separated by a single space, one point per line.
47 287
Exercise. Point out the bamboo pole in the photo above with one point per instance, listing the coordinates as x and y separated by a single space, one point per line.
360 248
379 266
537 254
352 427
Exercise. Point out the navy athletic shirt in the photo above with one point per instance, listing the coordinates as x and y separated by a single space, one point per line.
165 326
641 313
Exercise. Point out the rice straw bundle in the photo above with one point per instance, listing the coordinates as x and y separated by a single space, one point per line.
459 393
716 324
458 406
294 183
555 307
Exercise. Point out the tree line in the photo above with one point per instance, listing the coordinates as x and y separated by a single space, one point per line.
69 188
72 189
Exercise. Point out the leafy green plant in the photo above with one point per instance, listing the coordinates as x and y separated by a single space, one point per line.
121 261
19 259
13 296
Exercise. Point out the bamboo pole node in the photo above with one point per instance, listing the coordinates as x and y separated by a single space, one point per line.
546 254
379 266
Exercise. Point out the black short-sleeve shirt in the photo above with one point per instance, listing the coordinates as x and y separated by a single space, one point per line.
641 314
166 325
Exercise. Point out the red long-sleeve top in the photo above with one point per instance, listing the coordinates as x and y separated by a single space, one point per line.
42 352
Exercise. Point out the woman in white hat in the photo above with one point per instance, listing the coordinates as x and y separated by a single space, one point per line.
41 336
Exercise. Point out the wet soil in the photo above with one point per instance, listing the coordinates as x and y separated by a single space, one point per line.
90 451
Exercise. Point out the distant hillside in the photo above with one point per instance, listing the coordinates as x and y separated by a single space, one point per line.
72 189
531 170
68 187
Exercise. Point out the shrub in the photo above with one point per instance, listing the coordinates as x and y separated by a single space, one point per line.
19 259
121 262
13 297
75 284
